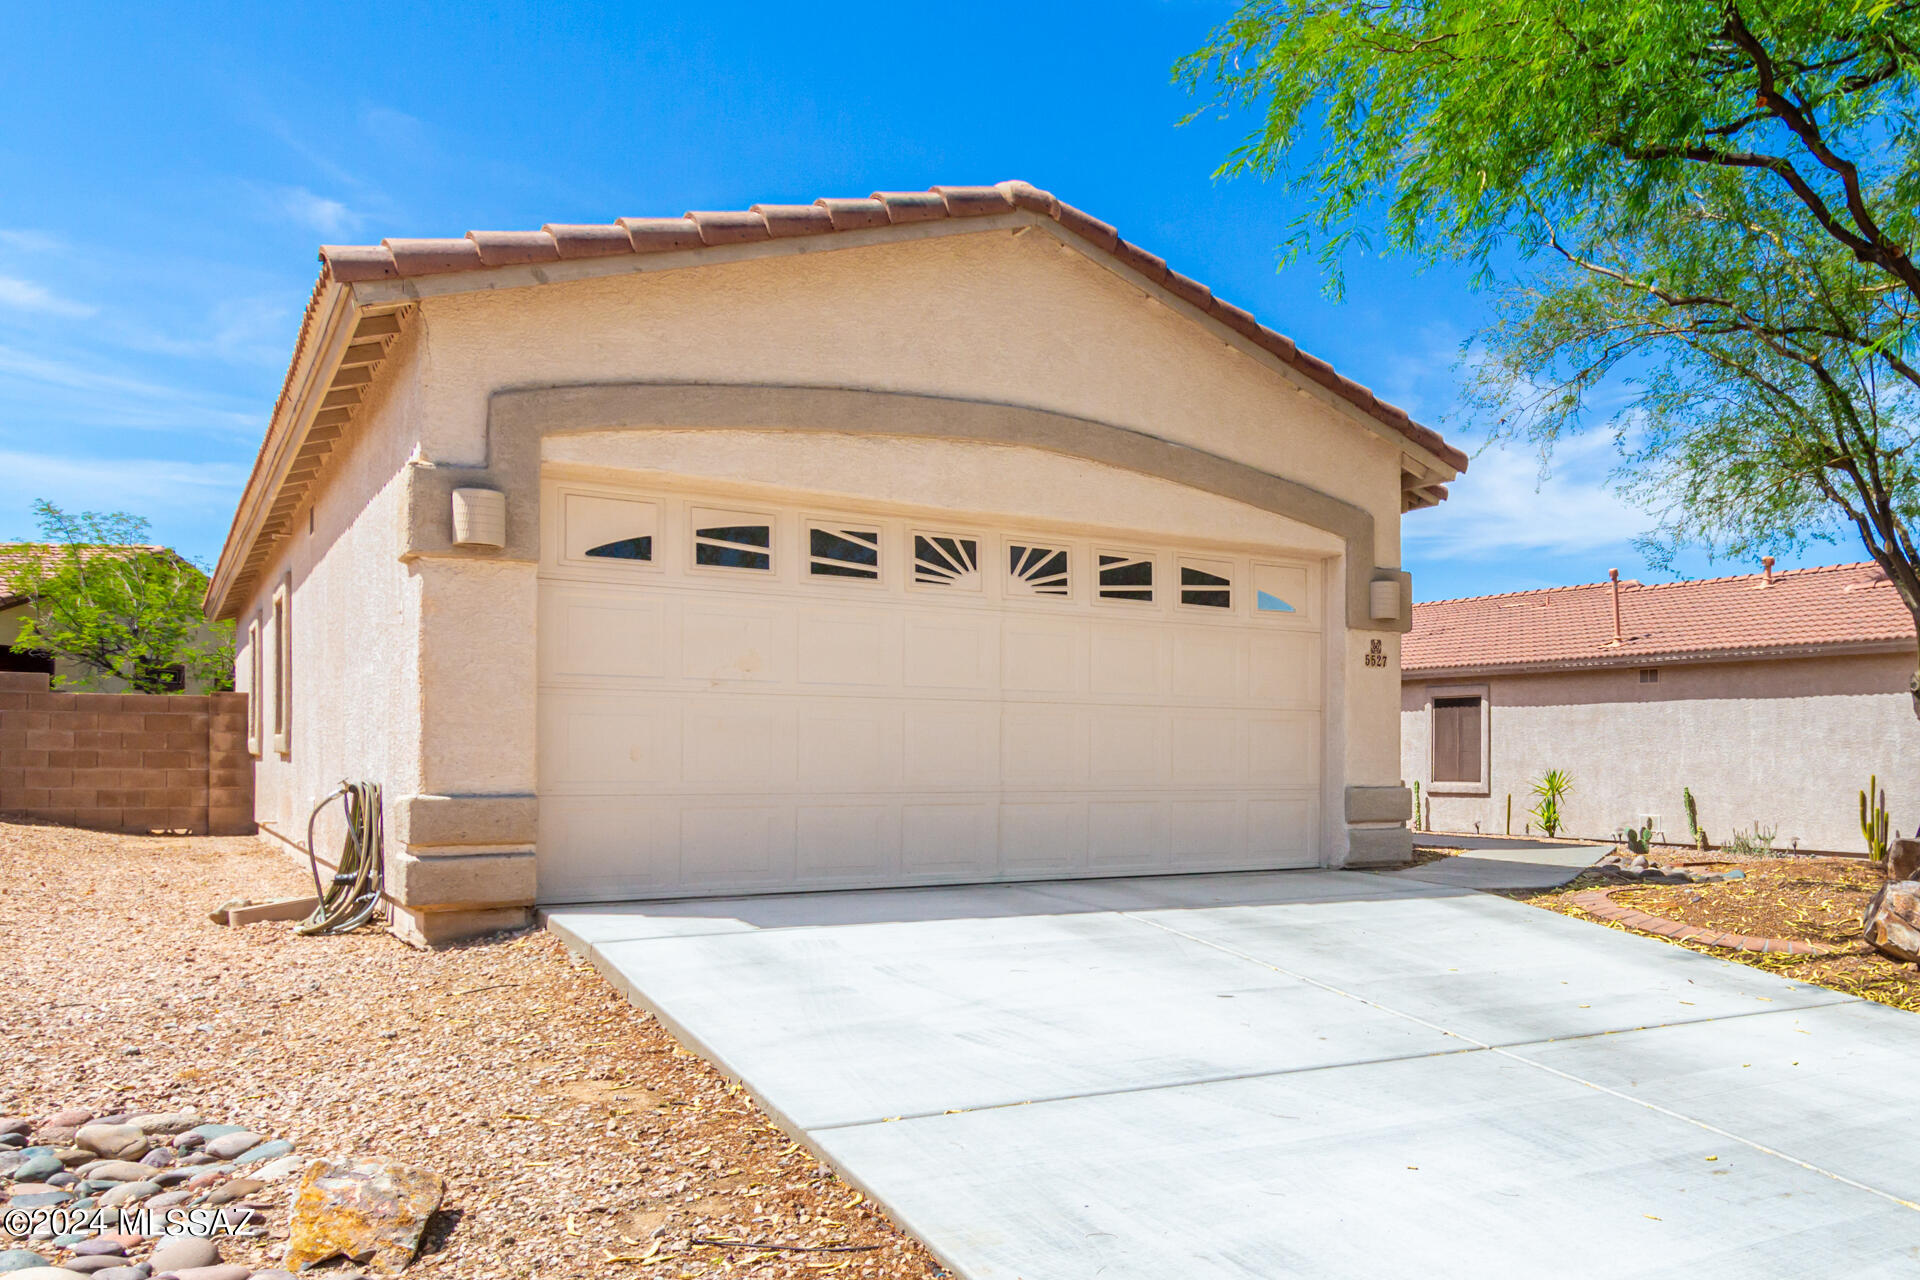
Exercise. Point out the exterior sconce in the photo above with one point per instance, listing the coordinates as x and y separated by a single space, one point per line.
479 518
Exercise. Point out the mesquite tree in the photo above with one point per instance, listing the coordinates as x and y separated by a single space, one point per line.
1710 204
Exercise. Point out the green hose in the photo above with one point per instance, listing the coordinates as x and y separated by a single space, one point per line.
354 894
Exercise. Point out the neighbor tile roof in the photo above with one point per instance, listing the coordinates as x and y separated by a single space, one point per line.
1800 610
15 556
479 250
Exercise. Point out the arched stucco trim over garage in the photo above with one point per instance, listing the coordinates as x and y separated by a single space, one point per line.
518 419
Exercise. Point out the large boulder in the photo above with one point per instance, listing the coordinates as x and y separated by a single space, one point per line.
1891 923
1903 860
366 1210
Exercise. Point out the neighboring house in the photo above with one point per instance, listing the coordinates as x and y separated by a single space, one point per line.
14 611
1772 696
927 538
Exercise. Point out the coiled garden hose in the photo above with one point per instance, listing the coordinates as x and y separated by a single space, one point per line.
354 895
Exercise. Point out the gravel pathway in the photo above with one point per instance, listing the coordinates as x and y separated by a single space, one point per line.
577 1138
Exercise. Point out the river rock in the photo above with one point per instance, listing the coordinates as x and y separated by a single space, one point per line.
73 1157
39 1273
14 1260
1891 922
178 1253
284 1167
165 1123
361 1209
39 1199
265 1151
127 1193
101 1247
208 1132
138 1271
1903 860
38 1167
88 1266
168 1199
115 1171
172 1177
238 1189
223 1271
72 1118
158 1158
114 1141
228 1145
17 1124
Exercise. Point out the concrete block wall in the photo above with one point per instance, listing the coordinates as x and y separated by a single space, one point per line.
133 762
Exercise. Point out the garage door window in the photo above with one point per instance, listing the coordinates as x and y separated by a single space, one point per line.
1125 576
640 548
942 560
835 551
732 540
1206 584
1037 571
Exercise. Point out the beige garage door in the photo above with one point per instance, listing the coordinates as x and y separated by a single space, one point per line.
743 695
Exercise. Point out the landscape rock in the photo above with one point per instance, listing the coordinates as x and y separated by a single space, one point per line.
224 1271
101 1247
265 1151
88 1266
165 1122
74 1156
284 1167
158 1158
40 1199
365 1210
115 1141
1903 860
127 1193
64 1178
208 1132
115 1171
172 1177
20 1259
16 1124
180 1253
238 1189
56 1135
38 1167
71 1118
168 1199
11 1160
228 1145
40 1273
1891 922
139 1271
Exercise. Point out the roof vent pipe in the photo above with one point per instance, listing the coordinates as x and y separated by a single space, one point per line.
1766 571
1613 576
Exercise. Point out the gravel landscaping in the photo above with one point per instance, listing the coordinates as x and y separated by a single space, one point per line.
575 1136
1800 898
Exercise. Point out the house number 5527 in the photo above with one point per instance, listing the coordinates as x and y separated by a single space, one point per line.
1377 655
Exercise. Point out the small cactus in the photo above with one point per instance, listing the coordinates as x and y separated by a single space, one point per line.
1873 822
1416 805
1693 820
1640 841
1509 813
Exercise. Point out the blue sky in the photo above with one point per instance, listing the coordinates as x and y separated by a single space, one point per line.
167 174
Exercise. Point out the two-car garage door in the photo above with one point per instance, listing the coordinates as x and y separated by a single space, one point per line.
741 695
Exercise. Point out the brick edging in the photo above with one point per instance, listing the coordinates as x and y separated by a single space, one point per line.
1599 902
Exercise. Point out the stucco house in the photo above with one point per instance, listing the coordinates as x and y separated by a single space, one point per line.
1773 697
925 538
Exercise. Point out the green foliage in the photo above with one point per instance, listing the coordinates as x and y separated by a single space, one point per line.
1693 819
1416 804
1873 822
1757 843
121 609
1640 840
1713 203
1550 794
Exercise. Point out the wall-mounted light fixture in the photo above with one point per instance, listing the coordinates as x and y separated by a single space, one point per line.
479 518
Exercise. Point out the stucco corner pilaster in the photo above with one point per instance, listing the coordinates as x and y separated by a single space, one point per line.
1379 804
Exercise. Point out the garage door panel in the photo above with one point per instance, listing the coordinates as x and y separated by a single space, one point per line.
1209 747
1206 834
735 643
1210 663
729 846
1044 656
950 745
942 840
1043 745
586 741
599 637
1128 747
737 744
1284 667
848 746
615 846
1284 832
1284 749
851 649
1043 837
1125 836
951 651
847 843
1127 661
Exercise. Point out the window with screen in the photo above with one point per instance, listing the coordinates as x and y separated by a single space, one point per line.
1457 754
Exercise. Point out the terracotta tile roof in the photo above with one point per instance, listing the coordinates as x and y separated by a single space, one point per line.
1800 610
15 556
396 259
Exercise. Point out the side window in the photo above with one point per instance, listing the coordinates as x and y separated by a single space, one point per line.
1206 584
1281 590
1034 570
1456 740
283 668
839 551
1125 575
595 527
945 560
732 540
256 689
636 548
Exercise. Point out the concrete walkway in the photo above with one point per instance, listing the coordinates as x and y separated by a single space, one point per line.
1295 1073
1502 862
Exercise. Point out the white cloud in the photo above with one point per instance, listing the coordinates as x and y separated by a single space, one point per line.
1504 506
327 216
104 398
24 295
172 493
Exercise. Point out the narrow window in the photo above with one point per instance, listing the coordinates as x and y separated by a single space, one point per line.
834 551
282 669
1206 584
1126 577
1649 675
256 690
1037 571
1456 740
640 548
732 540
943 561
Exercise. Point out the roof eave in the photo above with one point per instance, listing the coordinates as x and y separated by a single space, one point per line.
1680 657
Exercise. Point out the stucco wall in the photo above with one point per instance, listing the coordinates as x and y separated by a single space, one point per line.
1784 744
355 621
1013 317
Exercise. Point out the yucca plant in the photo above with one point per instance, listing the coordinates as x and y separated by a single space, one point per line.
1551 792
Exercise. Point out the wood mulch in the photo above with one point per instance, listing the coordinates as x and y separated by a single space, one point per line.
577 1137
1805 899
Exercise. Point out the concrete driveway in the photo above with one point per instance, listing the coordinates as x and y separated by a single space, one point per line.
1295 1073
